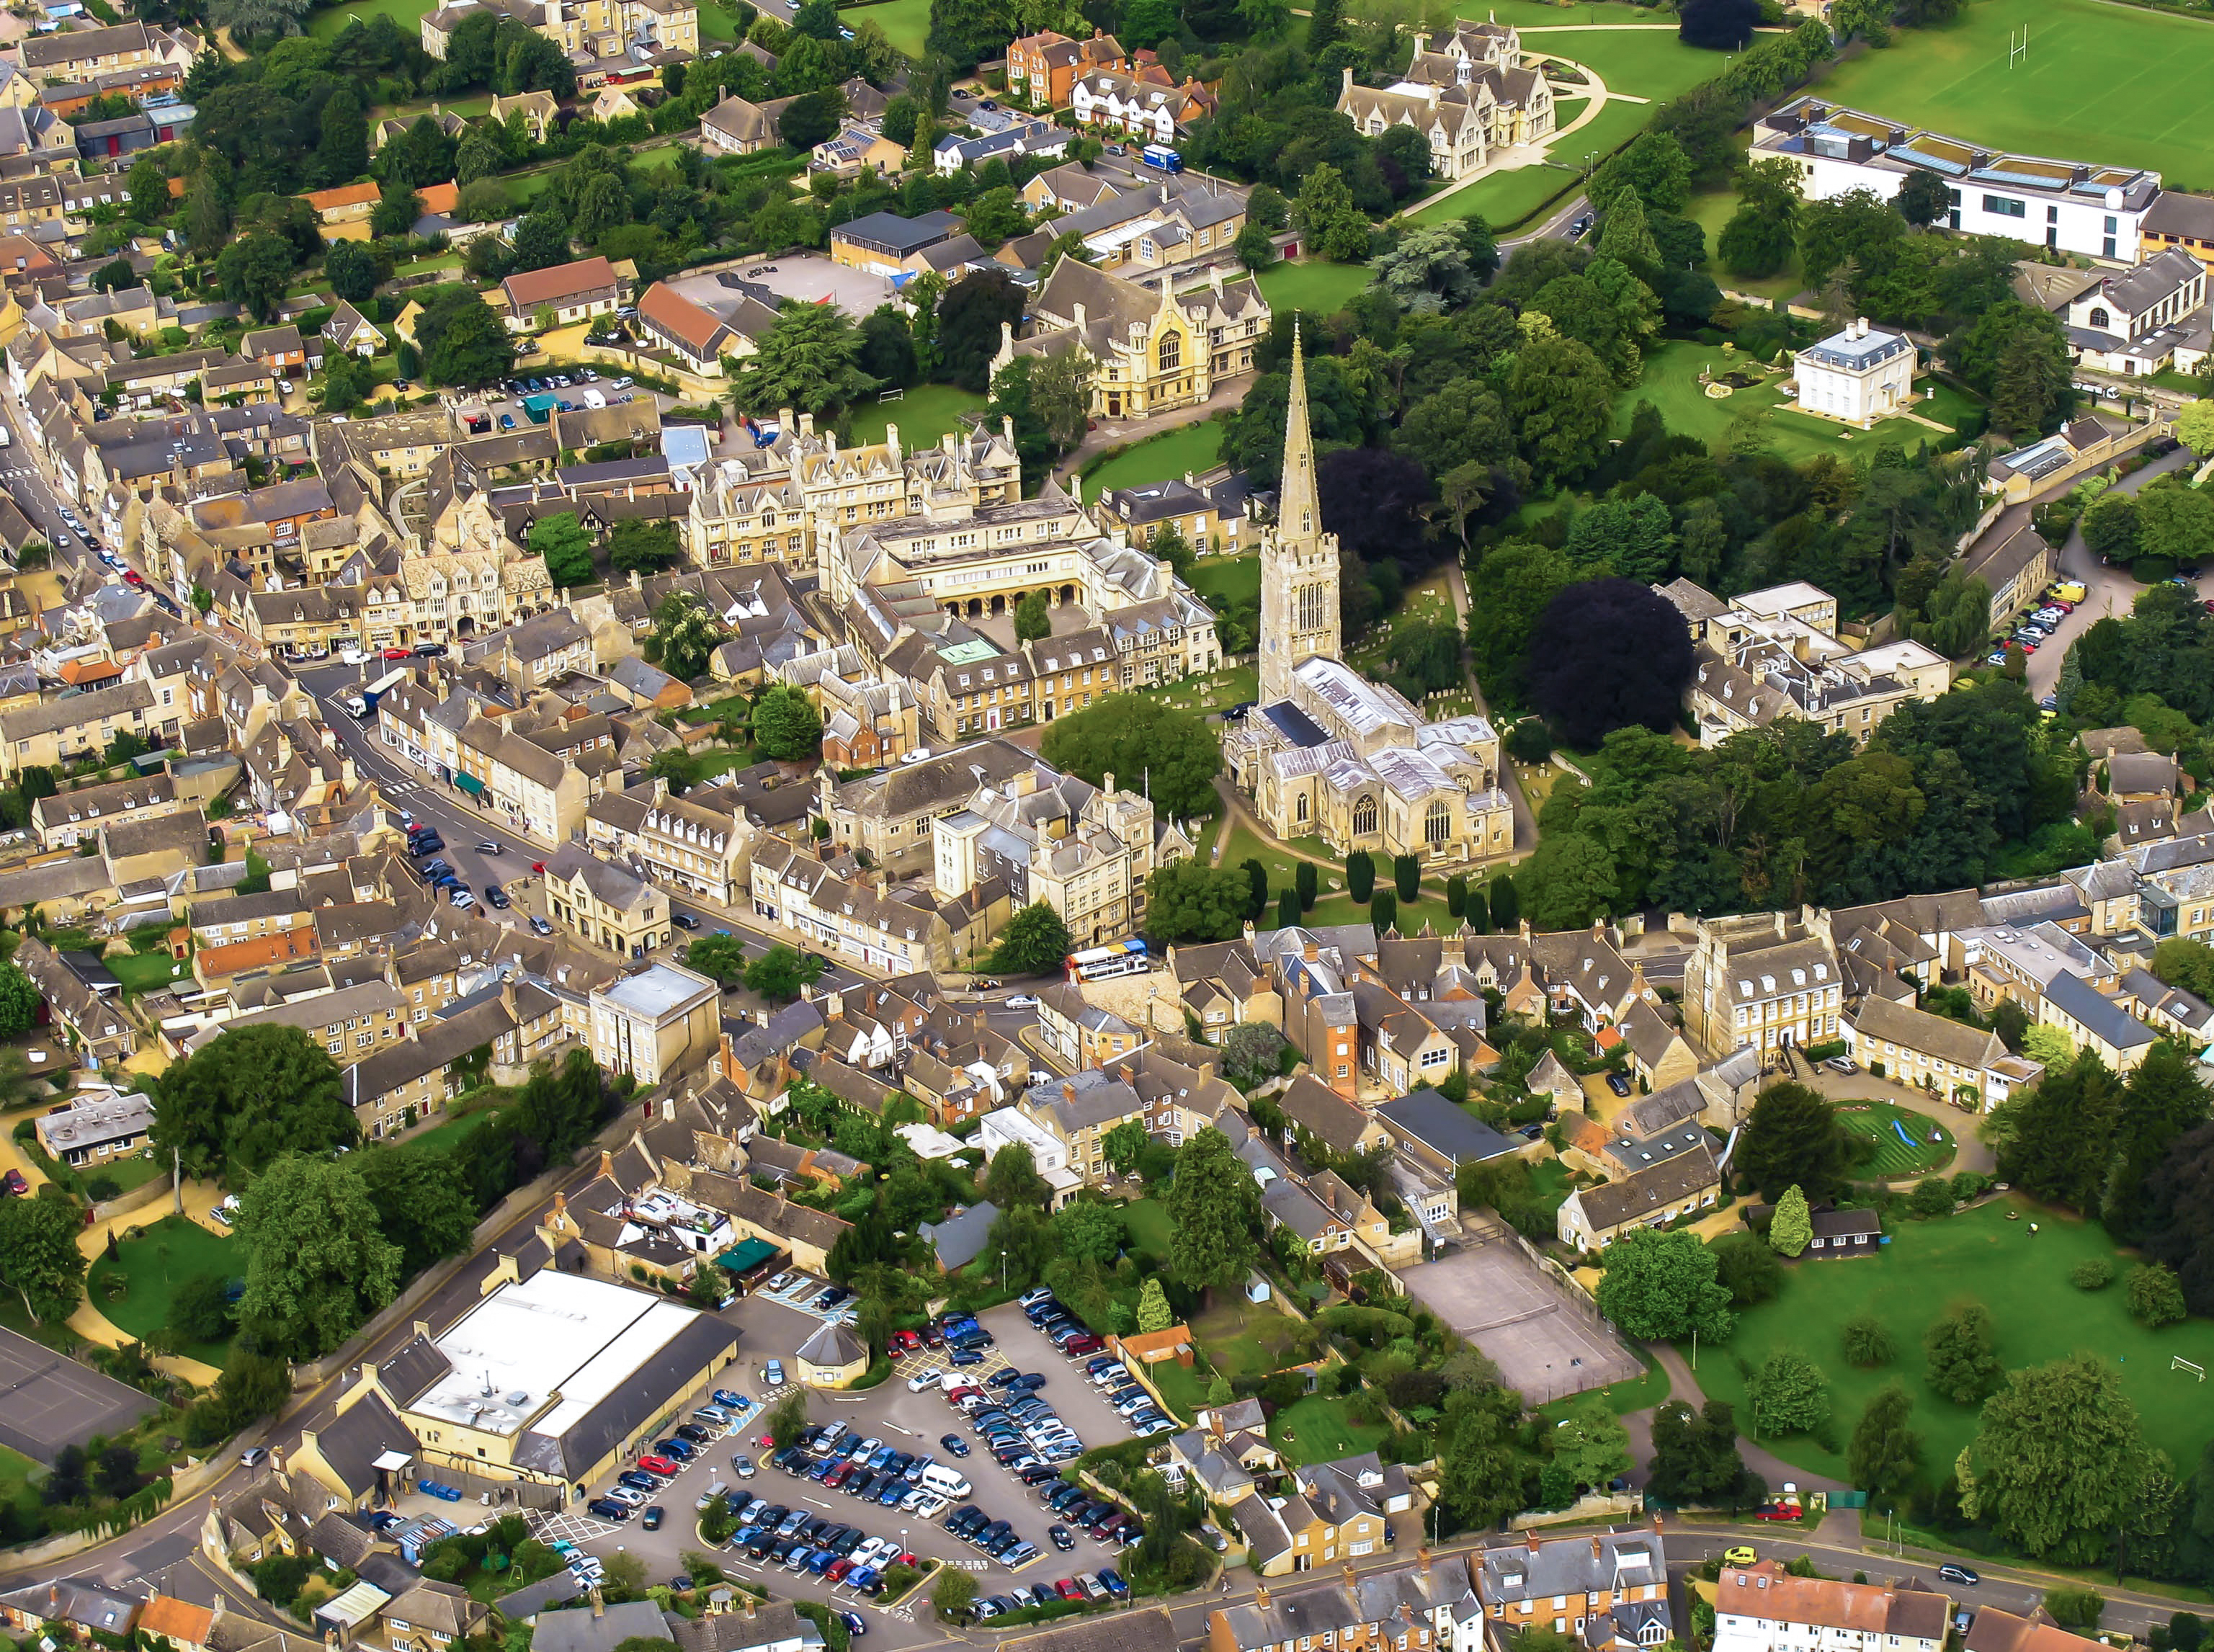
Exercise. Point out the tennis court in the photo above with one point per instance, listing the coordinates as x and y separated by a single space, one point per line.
47 1402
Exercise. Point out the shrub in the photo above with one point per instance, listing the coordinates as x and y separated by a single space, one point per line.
2093 1275
2075 1607
1868 1341
1932 1197
2155 1296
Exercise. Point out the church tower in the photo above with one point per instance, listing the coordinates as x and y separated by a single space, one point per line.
1299 561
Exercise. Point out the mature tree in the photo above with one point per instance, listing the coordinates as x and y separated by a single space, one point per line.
462 342
1035 942
353 270
1868 1341
1659 1287
20 1000
422 1202
1758 239
1373 499
1695 1456
1608 654
1561 400
1655 167
953 1596
540 240
786 723
1591 1444
2161 1100
1788 1394
2031 384
1011 1179
1923 198
720 958
970 317
2057 1461
1886 1453
317 1261
1124 1145
1088 1231
686 633
1147 746
1572 881
2175 523
810 118
39 1260
1429 271
1153 1311
639 546
779 973
1520 579
1033 617
1746 1266
247 1095
1335 227
1792 1138
806 359
1189 900
2047 1126
1792 1229
253 271
1963 1365
1214 1207
1481 1481
560 539
2154 1297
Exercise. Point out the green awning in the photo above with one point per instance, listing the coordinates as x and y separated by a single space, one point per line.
468 783
744 1258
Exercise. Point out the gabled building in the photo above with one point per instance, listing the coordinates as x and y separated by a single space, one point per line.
1764 1608
1609 1590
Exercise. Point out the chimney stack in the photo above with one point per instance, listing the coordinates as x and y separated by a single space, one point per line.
1597 1552
1349 1578
1261 1596
1067 1091
1531 1537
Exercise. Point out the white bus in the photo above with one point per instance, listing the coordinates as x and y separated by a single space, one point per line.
1122 957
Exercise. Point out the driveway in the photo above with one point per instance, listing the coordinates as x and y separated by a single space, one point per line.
2107 590
1971 1153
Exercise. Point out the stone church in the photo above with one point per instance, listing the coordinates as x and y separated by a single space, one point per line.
1328 754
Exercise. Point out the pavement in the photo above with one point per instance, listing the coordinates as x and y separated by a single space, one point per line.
2107 591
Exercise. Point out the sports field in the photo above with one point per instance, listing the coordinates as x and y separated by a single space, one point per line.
2020 1276
2109 84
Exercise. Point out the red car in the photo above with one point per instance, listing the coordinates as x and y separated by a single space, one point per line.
904 1342
13 1185
662 1466
1068 1589
1776 1512
1087 1343
396 653
132 577
838 1570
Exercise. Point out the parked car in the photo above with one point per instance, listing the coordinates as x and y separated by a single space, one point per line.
1959 1575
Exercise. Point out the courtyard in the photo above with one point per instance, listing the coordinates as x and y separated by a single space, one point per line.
1991 1255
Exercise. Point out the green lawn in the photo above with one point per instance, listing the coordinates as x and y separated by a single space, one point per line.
923 414
1651 63
2105 84
1195 447
1148 1222
1671 383
1226 581
1527 15
1242 1338
1893 1159
2020 1276
1230 685
141 972
1311 285
1710 212
440 1137
171 1252
332 20
1635 1393
906 23
1318 1430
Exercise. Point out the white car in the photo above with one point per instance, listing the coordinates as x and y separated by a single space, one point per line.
625 1495
1022 1002
923 1379
875 1549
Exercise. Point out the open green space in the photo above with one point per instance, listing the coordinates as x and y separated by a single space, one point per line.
2021 1276
923 414
1242 1338
1670 383
1318 1430
906 23
1227 685
1226 581
168 1254
1503 199
141 972
2109 85
1893 1158
1527 15
1647 63
1311 285
1641 1393
408 14
1148 1222
1710 212
1195 447
441 1137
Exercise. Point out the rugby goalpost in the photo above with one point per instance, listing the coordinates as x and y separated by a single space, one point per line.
2181 1364
2018 51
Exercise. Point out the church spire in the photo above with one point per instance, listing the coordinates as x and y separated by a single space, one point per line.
1297 514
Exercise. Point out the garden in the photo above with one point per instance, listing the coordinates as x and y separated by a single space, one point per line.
1896 1158
1672 382
2016 1257
162 1285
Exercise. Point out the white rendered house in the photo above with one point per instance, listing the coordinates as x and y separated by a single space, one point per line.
1860 376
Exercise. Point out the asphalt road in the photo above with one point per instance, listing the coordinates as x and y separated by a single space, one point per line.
2107 590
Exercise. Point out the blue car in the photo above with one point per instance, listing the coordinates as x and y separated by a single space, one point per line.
1113 1580
732 1402
965 1356
954 1444
638 1482
683 1450
890 1495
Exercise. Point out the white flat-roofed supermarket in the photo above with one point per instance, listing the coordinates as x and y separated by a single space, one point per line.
555 1340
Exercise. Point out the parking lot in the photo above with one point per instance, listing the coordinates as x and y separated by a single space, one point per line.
504 408
774 1327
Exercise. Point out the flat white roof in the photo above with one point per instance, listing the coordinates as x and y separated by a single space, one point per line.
658 989
554 1338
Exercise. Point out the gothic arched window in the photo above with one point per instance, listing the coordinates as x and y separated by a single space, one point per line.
1364 818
